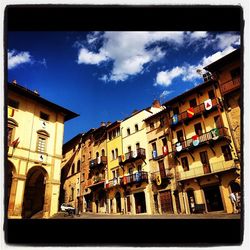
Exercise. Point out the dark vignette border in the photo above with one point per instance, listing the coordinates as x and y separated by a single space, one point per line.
103 232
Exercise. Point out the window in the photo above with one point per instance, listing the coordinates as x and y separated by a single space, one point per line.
137 145
73 169
78 166
44 116
164 142
72 194
136 127
97 154
193 103
12 103
10 135
198 129
83 177
218 121
179 135
42 140
113 154
176 110
184 163
154 146
211 94
11 130
118 132
103 152
152 125
226 152
129 149
235 73
110 136
162 122
128 131
116 153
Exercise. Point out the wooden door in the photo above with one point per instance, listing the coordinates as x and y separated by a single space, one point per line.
205 162
166 202
162 169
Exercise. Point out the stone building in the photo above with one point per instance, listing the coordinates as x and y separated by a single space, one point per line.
35 129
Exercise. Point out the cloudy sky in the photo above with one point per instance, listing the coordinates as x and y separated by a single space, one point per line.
104 76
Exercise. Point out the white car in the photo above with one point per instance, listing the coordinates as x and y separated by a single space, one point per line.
67 208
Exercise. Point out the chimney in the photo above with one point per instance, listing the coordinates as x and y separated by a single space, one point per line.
156 104
103 124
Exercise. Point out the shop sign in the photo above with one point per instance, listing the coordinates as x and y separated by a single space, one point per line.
158 179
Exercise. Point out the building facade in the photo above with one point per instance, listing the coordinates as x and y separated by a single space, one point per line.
205 156
35 129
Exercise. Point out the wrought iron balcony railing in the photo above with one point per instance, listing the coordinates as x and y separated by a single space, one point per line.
196 141
205 170
131 156
101 160
164 174
229 86
138 177
198 110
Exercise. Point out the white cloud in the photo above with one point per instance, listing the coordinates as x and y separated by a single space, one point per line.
89 57
129 51
198 35
225 40
165 77
216 56
165 93
16 58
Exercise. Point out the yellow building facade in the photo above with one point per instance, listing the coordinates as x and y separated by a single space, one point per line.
203 150
35 137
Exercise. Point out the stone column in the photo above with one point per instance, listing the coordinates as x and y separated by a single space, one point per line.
12 196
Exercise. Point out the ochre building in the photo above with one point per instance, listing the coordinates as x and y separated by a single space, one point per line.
35 129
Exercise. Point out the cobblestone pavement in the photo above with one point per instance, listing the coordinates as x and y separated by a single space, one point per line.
218 215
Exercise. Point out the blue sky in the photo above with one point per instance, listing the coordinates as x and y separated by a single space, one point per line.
104 76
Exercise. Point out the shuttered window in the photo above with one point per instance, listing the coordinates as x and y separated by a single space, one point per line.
41 144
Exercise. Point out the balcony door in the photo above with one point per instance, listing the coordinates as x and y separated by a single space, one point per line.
162 169
205 162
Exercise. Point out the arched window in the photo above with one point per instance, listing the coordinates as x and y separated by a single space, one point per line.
97 154
103 152
78 166
136 127
128 131
42 137
12 124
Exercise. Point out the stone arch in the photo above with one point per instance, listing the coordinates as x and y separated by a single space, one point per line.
43 132
34 192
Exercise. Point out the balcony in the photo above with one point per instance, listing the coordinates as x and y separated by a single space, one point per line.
113 182
198 110
206 138
165 175
230 86
132 156
101 160
137 177
94 181
205 170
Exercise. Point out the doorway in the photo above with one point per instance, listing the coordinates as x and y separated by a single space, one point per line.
213 198
166 202
34 192
191 201
140 203
118 202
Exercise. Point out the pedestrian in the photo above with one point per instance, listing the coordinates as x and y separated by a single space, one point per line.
233 200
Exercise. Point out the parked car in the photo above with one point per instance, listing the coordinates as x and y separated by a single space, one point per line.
65 207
